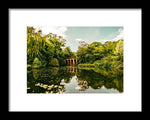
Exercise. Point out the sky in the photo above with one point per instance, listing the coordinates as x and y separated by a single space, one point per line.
88 34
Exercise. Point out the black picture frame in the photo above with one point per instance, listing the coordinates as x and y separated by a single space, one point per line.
66 4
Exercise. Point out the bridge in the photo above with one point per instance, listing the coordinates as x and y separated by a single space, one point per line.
71 61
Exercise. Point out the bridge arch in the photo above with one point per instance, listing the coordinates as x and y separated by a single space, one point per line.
71 61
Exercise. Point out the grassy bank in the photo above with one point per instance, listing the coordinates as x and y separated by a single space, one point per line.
86 66
107 64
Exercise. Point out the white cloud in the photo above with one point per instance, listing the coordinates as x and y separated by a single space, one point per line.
103 41
119 36
59 30
79 39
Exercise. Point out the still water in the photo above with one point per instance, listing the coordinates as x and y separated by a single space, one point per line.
70 79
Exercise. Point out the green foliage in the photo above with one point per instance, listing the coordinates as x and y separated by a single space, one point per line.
62 62
54 62
107 56
110 47
45 47
67 53
86 65
91 53
81 55
119 48
29 66
109 79
36 63
35 42
44 50
109 63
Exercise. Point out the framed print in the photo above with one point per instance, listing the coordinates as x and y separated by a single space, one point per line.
75 59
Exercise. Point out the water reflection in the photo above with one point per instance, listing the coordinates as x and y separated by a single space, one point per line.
70 79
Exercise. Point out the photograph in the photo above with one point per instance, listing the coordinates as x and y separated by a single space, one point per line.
75 59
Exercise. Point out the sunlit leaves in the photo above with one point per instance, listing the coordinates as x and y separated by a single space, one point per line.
35 42
44 47
119 48
97 51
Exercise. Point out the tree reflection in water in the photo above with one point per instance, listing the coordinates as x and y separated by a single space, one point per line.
70 79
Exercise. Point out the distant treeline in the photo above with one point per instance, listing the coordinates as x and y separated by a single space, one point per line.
107 56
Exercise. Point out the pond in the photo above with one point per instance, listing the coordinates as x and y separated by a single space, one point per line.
70 79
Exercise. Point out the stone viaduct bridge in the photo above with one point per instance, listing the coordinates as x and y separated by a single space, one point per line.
71 61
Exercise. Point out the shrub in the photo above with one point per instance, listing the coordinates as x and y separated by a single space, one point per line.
28 66
121 66
36 63
62 62
97 61
54 62
36 66
44 63
114 58
86 65
116 65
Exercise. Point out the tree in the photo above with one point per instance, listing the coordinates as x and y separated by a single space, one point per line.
83 44
119 48
67 53
110 47
36 63
35 43
98 52
88 53
44 47
82 51
95 44
81 55
54 62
